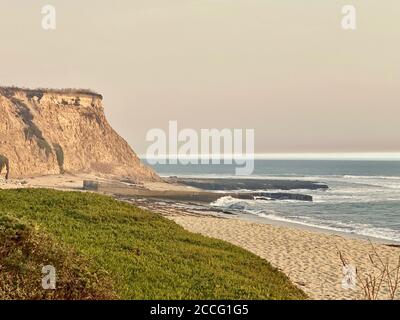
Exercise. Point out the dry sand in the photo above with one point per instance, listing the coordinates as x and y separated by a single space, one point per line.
75 182
62 182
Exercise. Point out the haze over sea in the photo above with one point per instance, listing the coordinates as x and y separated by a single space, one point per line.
363 196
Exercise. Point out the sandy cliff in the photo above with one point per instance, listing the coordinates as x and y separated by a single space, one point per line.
56 131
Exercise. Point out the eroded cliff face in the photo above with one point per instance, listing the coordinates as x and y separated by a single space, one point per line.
55 131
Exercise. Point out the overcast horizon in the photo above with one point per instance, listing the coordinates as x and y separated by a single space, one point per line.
287 70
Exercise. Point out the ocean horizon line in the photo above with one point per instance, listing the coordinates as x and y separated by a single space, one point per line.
350 156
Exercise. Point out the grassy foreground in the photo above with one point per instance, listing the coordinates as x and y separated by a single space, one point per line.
106 249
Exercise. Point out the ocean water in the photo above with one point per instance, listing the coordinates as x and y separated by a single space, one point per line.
363 196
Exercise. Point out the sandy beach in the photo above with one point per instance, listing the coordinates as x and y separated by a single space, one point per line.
309 258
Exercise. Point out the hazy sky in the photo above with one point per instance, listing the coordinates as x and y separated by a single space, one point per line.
284 68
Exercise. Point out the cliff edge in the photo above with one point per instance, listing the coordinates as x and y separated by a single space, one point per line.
47 131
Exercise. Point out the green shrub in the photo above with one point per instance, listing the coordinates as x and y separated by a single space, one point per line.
77 102
26 248
45 146
30 94
60 157
31 131
4 163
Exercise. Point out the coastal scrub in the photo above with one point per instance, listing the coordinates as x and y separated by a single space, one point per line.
140 254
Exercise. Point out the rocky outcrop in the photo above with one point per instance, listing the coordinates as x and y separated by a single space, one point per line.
248 184
274 196
56 131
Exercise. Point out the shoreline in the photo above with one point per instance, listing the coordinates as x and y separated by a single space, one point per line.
309 258
318 229
307 255
174 193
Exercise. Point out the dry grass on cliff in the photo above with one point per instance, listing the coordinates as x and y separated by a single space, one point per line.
40 91
143 255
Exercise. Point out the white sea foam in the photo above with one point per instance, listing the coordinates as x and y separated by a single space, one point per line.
356 204
359 229
260 208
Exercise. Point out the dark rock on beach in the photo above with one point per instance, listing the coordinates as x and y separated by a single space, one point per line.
273 196
248 184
